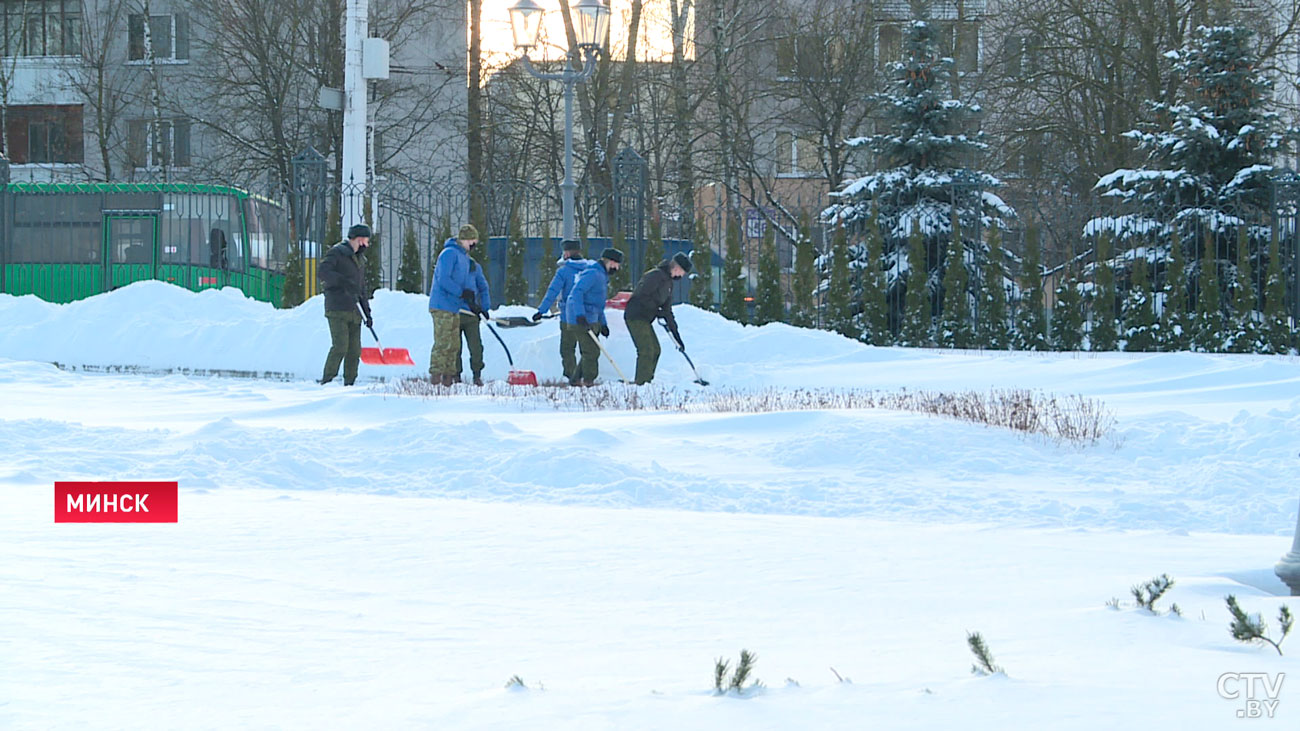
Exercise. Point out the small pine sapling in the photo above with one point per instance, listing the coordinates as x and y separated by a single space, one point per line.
1149 593
743 669
984 664
722 685
1246 628
720 667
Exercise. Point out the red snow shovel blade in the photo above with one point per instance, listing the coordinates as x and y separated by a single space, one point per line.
386 356
521 378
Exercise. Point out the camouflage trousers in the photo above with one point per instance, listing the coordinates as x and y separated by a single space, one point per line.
444 358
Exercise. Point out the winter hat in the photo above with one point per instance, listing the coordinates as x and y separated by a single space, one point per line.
467 233
683 261
612 254
572 245
359 229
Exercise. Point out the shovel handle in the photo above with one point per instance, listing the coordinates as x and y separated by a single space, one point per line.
371 328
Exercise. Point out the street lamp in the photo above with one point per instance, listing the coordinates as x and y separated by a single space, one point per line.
590 24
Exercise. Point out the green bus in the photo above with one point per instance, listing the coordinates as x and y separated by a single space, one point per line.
66 241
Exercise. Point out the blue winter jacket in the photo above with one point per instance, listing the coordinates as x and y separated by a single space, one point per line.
588 296
451 276
562 284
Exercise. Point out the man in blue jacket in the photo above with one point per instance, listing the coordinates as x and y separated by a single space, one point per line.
452 291
584 313
561 285
469 326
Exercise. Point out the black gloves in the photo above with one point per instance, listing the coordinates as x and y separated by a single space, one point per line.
678 337
582 321
537 317
370 321
604 331
471 303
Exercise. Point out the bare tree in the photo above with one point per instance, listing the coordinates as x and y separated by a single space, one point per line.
826 74
102 79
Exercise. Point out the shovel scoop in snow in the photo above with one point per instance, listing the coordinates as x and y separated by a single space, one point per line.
385 356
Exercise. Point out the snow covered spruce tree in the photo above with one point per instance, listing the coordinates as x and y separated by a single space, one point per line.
548 264
839 289
1141 330
1276 335
1103 330
1031 321
994 327
653 251
516 286
295 285
735 283
702 268
408 270
955 326
923 181
802 311
1207 177
769 300
1067 313
873 289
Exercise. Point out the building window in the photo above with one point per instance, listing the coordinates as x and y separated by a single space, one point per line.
153 144
44 134
889 44
169 35
1022 56
809 57
796 156
42 27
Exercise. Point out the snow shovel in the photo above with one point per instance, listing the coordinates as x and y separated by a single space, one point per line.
385 356
519 321
608 357
514 377
682 349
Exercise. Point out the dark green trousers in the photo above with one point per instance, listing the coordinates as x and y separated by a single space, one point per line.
589 365
474 339
345 345
647 349
569 340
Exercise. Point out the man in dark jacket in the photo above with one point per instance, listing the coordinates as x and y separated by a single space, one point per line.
342 277
653 297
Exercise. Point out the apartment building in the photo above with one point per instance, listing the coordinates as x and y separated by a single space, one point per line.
136 89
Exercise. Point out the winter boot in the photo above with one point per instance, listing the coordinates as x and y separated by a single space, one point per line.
478 379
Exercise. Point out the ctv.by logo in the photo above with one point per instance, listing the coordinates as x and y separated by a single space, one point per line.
1259 691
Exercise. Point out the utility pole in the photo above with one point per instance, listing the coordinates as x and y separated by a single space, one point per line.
352 178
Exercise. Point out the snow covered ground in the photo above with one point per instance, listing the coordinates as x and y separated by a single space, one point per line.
353 558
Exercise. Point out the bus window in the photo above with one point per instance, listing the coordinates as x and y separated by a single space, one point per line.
268 236
56 229
197 230
275 225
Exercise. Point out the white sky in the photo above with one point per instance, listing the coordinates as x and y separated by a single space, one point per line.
654 44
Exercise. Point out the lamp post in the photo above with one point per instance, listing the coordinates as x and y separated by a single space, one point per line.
1288 569
590 23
